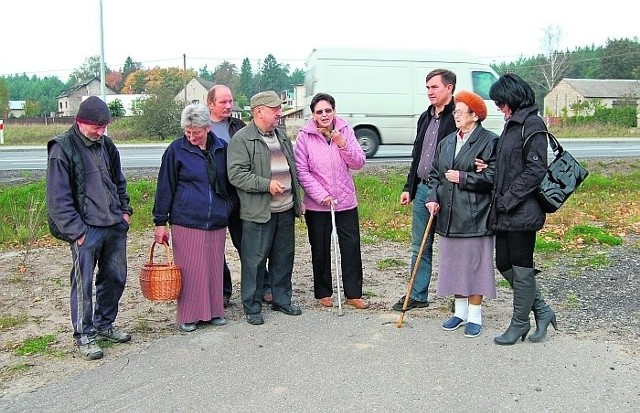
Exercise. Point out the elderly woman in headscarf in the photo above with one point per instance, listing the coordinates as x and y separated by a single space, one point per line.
461 199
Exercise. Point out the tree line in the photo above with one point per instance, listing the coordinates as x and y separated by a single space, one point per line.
41 94
617 59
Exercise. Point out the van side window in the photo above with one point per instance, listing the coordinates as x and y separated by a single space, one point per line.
482 81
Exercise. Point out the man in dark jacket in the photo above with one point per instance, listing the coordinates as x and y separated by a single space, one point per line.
434 124
224 126
88 206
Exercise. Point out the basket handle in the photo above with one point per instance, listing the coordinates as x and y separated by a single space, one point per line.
167 249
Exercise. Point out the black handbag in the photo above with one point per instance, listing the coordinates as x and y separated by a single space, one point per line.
563 176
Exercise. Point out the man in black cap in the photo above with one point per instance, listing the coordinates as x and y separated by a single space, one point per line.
88 207
262 167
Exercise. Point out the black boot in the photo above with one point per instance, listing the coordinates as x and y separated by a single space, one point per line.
524 292
508 275
543 315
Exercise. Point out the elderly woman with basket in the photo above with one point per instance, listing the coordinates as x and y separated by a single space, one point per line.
195 197
326 151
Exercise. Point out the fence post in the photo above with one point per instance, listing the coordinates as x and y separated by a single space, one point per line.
1 131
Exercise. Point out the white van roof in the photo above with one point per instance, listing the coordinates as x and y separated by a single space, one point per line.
412 55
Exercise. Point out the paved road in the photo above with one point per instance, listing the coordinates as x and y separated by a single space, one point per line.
149 155
320 362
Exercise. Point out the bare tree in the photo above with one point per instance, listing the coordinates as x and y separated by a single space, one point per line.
554 63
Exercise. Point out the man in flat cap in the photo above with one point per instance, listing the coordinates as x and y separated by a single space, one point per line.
88 207
261 165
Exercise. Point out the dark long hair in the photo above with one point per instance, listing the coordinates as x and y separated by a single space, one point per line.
512 90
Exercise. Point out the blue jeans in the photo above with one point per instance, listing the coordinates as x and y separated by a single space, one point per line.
420 217
106 247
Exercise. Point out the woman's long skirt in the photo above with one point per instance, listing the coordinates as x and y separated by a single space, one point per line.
200 255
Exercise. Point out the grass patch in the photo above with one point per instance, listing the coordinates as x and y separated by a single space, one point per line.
572 301
503 283
37 345
369 294
590 235
141 325
601 212
9 321
386 263
548 245
16 368
597 260
381 214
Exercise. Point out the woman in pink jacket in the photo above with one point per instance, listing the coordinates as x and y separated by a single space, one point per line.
326 151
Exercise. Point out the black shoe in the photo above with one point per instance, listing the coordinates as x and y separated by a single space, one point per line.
288 309
255 319
113 335
410 305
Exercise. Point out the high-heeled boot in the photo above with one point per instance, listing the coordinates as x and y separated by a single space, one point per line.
508 275
544 316
524 292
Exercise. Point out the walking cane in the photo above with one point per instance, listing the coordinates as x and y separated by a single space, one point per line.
407 295
336 254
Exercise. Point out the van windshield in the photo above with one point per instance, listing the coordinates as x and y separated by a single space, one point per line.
482 82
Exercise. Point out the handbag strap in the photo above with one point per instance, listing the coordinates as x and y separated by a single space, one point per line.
556 148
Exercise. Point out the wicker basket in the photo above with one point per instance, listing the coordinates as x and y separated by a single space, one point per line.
160 282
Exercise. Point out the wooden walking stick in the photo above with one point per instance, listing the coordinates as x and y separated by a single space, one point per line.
416 265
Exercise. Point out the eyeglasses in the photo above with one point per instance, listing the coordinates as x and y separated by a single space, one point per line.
460 112
499 104
321 111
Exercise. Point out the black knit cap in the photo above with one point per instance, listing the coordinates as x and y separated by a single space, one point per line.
93 111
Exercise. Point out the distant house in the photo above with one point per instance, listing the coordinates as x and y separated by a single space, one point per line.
130 102
294 102
196 92
610 92
16 108
69 100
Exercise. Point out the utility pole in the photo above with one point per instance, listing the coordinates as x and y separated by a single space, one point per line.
184 67
103 90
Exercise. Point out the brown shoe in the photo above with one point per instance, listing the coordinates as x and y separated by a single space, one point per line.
325 302
358 303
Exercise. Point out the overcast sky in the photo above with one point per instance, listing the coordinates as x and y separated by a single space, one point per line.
51 38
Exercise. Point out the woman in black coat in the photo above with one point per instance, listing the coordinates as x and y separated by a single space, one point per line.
461 198
515 214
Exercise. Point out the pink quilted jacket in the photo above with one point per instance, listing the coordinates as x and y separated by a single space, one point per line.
324 169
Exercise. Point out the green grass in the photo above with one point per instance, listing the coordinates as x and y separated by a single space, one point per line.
37 345
572 301
9 321
121 130
590 235
381 214
386 263
602 209
15 369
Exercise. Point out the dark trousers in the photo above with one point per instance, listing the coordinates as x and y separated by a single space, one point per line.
514 248
273 240
235 230
106 247
319 227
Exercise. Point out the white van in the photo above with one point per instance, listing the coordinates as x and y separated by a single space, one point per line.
381 93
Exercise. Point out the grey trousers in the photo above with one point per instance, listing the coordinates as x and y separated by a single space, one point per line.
275 241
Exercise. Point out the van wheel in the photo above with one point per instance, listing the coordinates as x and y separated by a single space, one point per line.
368 140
